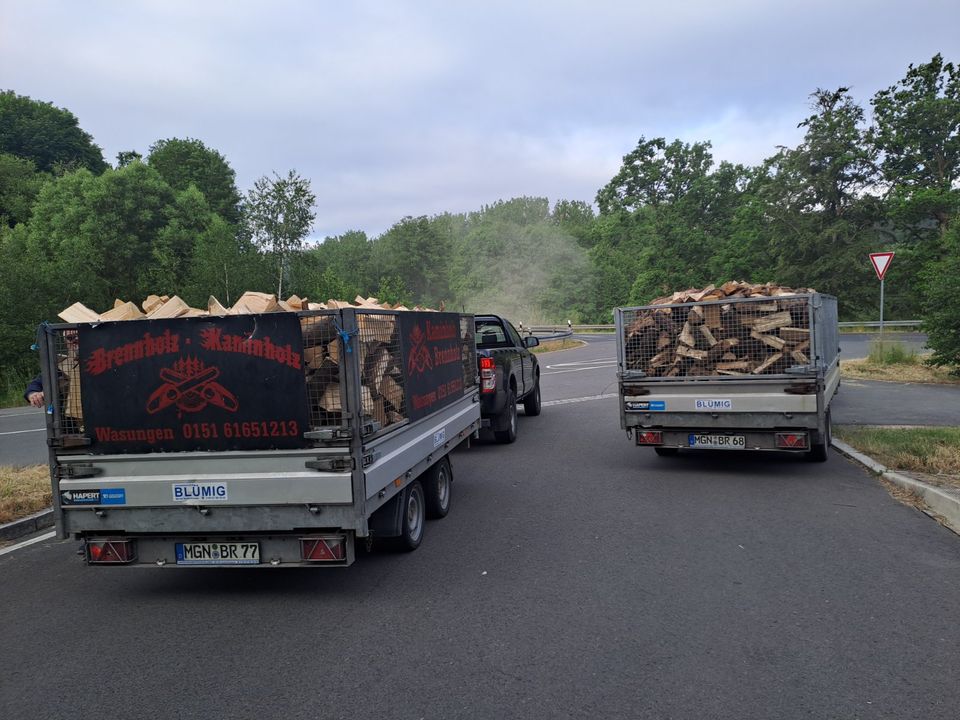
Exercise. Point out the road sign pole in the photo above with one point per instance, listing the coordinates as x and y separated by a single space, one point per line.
881 313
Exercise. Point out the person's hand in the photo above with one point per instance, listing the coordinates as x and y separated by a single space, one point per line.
36 399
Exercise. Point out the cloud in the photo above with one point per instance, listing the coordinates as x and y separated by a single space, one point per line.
396 108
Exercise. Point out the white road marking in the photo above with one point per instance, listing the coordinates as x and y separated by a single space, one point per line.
25 543
570 401
560 368
18 432
34 412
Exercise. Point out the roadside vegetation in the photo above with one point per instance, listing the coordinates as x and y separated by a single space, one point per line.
23 491
931 451
894 361
553 345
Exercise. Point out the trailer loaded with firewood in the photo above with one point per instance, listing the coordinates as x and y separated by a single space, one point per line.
269 433
738 366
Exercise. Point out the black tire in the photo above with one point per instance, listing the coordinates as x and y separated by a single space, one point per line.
666 451
436 489
818 452
531 403
413 518
510 415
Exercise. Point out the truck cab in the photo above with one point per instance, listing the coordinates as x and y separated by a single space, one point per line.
509 374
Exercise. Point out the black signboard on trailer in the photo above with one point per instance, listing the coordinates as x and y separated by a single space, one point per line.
433 361
204 383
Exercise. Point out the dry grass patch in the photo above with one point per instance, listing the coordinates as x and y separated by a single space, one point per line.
561 344
915 372
934 451
23 491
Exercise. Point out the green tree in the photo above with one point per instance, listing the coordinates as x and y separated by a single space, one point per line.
942 303
19 185
917 129
655 173
182 162
279 214
49 136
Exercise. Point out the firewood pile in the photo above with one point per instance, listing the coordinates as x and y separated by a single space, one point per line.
157 307
734 329
379 348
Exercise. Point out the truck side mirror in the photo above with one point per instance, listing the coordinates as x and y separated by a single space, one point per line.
530 341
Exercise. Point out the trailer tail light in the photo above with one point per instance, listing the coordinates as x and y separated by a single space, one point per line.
111 552
792 441
650 437
488 375
329 548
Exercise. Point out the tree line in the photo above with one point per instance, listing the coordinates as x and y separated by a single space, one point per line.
172 221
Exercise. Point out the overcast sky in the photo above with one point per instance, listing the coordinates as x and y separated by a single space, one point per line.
415 108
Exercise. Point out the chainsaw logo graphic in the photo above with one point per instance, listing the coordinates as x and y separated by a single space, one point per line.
419 360
191 386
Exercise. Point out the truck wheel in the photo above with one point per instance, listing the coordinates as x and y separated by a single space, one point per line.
411 531
818 452
436 489
531 403
510 414
666 451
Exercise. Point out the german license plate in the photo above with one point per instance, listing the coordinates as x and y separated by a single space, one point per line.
225 553
718 442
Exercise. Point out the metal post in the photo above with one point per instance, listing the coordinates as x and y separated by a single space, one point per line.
881 313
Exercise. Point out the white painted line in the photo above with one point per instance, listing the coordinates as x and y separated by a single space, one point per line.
578 366
20 432
570 401
38 411
25 543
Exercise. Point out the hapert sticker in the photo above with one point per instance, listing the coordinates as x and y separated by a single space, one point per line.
712 404
99 496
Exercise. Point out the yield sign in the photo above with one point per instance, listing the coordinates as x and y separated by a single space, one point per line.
881 261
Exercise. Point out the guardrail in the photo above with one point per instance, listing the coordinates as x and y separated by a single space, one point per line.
537 329
886 323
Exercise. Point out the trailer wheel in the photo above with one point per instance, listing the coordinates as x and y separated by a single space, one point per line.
436 489
531 403
666 451
818 452
510 411
411 530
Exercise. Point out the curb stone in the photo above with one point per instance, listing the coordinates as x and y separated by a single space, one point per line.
27 525
944 503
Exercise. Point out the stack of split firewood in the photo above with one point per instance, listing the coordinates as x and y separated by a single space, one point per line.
735 329
157 307
379 351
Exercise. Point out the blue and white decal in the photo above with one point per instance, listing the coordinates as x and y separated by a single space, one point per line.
113 496
199 492
714 404
647 405
439 437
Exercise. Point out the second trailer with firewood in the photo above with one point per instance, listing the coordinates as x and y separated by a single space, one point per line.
736 367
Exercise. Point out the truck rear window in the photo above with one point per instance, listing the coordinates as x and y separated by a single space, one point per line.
490 334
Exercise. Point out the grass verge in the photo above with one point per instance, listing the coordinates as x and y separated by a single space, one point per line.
933 451
23 491
893 361
553 345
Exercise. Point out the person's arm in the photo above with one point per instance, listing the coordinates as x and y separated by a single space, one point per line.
34 392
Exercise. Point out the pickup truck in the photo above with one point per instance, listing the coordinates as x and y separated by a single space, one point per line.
509 374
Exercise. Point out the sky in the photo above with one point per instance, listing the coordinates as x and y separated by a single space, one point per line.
409 108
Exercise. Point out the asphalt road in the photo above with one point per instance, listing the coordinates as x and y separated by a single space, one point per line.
577 576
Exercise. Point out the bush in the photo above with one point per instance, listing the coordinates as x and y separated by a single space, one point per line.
941 319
